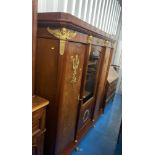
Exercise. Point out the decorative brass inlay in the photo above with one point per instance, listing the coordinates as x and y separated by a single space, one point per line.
107 43
62 33
89 39
62 47
75 61
89 49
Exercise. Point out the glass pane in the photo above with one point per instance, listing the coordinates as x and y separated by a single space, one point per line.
91 73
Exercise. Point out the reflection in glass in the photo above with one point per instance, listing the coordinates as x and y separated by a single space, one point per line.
91 74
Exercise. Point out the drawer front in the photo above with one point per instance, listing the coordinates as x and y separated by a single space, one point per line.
85 115
38 121
35 125
37 145
37 114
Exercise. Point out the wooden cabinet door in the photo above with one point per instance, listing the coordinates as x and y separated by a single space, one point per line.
89 85
106 60
70 69
91 76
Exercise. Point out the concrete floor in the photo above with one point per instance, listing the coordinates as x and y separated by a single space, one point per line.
104 139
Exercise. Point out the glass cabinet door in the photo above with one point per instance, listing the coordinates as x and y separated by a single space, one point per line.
91 74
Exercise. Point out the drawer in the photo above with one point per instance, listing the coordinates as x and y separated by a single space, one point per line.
85 115
37 114
35 126
37 121
37 145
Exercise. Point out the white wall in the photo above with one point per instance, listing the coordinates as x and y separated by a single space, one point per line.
117 56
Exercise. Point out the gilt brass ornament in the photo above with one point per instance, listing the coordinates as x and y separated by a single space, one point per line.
62 47
89 39
63 33
75 65
107 43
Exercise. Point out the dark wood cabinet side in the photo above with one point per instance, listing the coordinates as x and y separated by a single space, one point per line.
47 66
34 35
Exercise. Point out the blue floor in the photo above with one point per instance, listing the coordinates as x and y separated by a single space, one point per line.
104 139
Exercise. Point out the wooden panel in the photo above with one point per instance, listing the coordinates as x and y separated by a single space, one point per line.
47 65
59 19
72 73
102 80
34 32
46 84
37 114
85 114
102 105
36 120
80 37
37 145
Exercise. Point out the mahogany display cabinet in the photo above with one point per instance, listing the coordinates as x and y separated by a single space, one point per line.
72 62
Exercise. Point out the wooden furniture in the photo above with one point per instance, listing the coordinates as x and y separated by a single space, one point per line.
111 85
38 124
38 104
72 62
34 36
